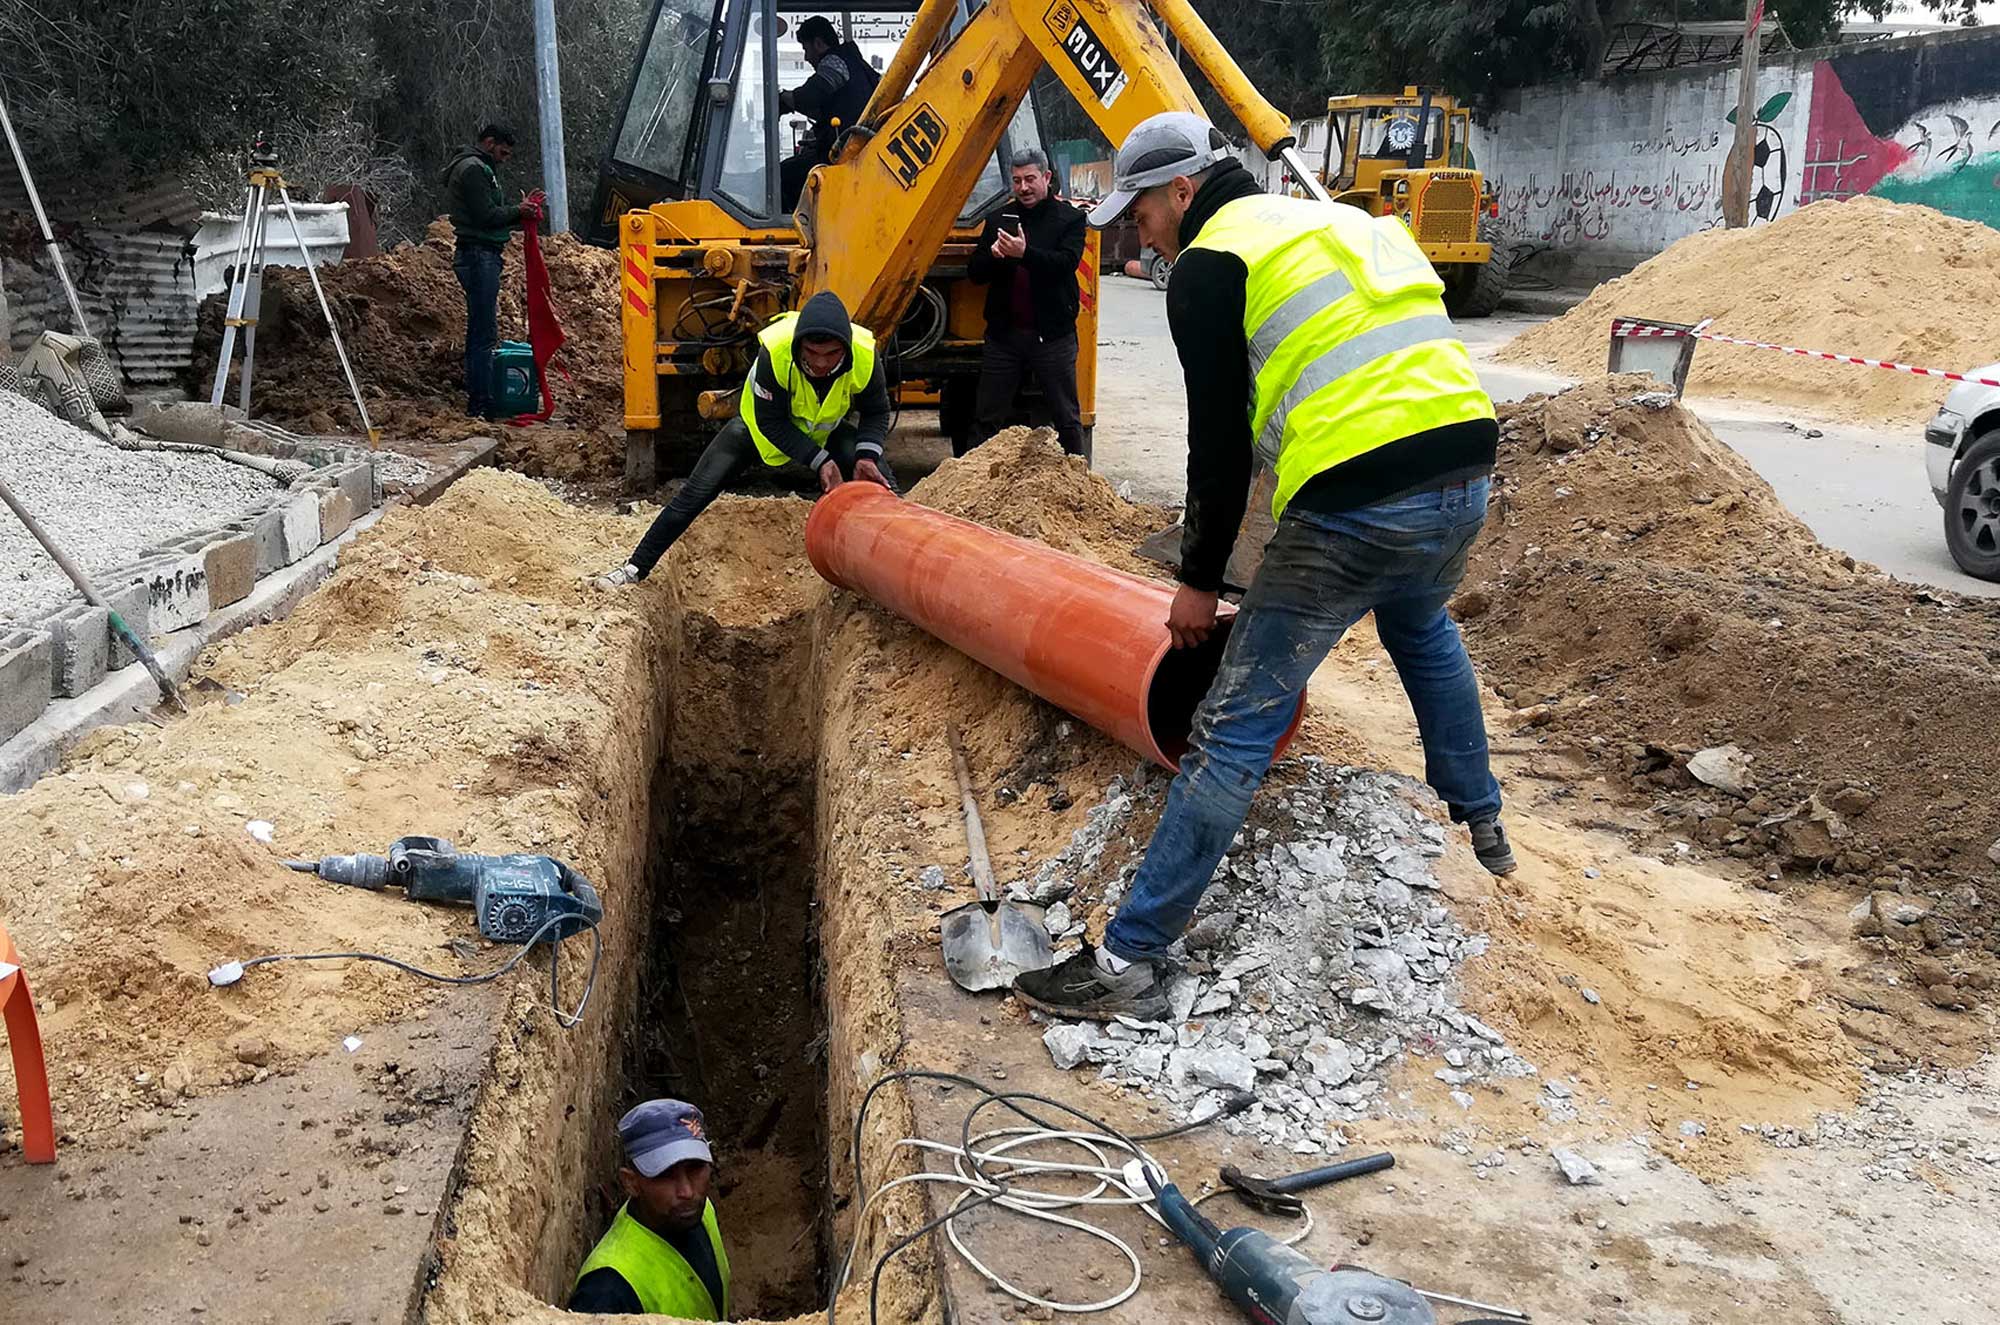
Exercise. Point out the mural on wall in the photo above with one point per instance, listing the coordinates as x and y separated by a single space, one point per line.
1908 129
1767 162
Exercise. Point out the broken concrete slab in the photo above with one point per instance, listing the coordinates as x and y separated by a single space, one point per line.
176 590
336 512
79 648
231 566
300 516
1070 1043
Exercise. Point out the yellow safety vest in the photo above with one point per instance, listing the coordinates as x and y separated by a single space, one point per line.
1350 347
666 1284
817 416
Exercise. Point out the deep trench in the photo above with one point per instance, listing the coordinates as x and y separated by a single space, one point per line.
729 1012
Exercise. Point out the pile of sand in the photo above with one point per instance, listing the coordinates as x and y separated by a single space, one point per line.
1878 279
1640 594
402 317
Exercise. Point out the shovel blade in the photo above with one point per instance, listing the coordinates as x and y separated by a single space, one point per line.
986 949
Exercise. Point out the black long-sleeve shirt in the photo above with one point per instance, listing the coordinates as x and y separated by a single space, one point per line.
1055 232
774 414
1205 307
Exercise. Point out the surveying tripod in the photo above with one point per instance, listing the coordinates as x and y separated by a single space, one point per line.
246 288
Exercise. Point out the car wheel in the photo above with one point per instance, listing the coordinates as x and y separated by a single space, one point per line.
1972 509
1159 271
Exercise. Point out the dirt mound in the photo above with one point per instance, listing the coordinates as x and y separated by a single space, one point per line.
1020 481
1867 277
1640 595
402 317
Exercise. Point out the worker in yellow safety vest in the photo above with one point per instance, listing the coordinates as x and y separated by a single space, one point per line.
663 1253
816 396
1313 338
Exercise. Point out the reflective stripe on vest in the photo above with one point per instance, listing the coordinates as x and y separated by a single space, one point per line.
665 1283
816 417
1350 347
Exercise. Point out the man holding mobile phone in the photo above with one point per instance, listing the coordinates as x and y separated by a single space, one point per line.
1027 258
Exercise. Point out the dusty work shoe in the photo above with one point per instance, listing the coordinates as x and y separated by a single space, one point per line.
1080 987
1489 843
618 579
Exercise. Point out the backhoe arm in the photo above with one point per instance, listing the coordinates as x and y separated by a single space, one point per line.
875 218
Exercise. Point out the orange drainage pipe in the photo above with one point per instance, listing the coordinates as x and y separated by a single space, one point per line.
1091 640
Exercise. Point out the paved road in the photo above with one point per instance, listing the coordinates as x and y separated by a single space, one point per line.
1860 490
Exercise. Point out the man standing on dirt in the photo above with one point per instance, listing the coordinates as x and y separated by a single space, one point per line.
663 1253
1313 337
1028 258
481 223
814 368
833 99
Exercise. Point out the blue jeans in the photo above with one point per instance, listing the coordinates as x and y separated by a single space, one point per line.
477 267
1401 560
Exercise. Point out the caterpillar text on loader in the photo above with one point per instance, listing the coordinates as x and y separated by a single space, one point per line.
690 186
1410 156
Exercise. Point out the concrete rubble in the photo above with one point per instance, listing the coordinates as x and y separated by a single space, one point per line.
1321 955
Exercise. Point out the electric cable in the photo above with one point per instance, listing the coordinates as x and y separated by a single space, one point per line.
990 1174
230 972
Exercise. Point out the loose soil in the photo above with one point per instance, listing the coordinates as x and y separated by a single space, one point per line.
1866 277
402 317
1640 595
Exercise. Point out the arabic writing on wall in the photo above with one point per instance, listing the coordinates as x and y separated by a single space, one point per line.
1578 207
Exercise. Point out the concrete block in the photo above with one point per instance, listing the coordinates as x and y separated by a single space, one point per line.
336 512
300 514
24 679
176 591
79 648
267 530
132 600
358 482
231 566
194 421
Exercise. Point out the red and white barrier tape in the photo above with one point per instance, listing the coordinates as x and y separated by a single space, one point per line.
1627 328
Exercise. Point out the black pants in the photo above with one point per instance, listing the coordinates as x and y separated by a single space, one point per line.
1011 357
792 172
732 454
477 267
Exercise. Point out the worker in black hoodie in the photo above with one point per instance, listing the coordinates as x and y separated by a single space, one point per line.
816 397
833 99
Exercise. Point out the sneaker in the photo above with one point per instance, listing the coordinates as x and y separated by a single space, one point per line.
1081 988
618 579
1489 843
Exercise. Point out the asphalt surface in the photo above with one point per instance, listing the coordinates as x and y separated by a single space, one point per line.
1861 490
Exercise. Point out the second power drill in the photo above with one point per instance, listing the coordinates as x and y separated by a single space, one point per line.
517 897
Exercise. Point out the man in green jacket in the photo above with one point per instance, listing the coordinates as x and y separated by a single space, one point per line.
482 222
663 1253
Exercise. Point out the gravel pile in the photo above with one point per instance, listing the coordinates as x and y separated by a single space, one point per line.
102 505
1321 954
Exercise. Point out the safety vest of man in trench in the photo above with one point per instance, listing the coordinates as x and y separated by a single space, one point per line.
665 1283
815 414
1350 345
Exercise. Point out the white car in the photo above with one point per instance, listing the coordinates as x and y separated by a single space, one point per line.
1962 457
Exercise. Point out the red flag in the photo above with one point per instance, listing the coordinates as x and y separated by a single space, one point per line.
545 333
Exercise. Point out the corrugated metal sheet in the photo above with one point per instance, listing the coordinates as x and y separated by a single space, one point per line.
132 260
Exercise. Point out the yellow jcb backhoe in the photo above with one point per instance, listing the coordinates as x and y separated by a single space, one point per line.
690 186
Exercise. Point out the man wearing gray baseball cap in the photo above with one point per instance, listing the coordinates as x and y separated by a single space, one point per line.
663 1253
1312 337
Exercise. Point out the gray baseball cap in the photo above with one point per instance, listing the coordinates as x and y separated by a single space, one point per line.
661 1133
1174 142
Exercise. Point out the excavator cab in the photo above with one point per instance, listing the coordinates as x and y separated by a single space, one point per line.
1410 157
690 190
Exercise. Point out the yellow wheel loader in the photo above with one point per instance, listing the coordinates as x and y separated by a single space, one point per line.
690 188
1409 156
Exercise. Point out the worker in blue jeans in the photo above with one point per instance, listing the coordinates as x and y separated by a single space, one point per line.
1314 336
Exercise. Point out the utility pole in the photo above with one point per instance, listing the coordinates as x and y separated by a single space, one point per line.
548 83
1736 193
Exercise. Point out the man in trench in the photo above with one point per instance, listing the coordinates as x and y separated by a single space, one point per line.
1314 337
663 1253
814 369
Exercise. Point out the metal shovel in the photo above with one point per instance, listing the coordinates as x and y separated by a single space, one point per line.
988 942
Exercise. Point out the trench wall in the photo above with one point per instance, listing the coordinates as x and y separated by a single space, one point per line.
1607 174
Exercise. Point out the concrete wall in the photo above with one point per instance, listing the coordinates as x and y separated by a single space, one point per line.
1608 174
